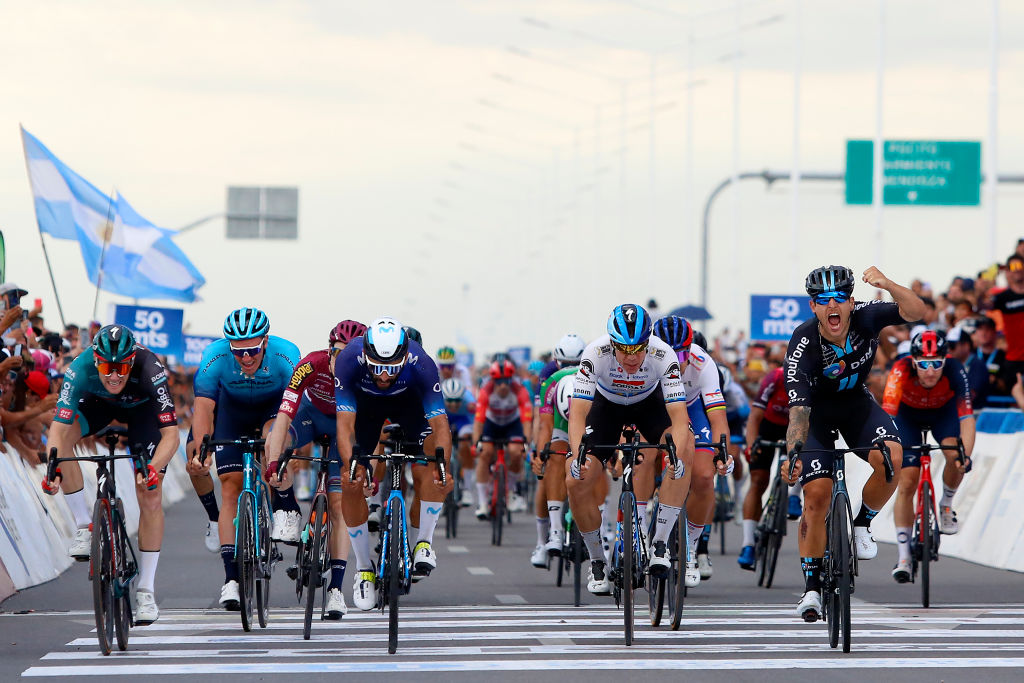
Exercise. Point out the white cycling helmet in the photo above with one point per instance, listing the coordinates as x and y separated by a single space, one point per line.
385 341
569 349
452 389
563 395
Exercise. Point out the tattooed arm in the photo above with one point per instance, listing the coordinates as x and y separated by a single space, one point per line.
799 425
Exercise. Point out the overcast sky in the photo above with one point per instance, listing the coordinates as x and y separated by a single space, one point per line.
469 166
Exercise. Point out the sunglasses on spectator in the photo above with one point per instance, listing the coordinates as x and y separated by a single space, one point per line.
1016 265
377 369
248 350
630 349
823 298
107 368
932 364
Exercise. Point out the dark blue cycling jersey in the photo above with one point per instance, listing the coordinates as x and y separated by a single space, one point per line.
219 375
419 377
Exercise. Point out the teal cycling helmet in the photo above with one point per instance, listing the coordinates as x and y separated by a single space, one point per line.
246 323
114 343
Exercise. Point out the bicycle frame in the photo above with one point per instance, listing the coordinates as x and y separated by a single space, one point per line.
253 486
395 505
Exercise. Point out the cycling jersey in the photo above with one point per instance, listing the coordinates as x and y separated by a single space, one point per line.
600 373
904 388
1011 304
549 400
219 375
772 398
700 379
504 410
418 378
312 378
817 368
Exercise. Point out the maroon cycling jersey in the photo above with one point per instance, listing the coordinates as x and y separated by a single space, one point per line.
312 377
772 398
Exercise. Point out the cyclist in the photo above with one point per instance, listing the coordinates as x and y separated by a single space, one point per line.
503 413
388 377
306 411
625 377
116 379
458 404
567 352
927 389
238 388
448 367
706 408
827 364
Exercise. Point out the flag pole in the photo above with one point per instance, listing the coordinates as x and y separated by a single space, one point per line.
108 229
46 254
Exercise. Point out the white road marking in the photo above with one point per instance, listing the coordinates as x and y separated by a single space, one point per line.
458 549
480 571
510 599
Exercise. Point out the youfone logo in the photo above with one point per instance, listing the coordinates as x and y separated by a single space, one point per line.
835 370
792 360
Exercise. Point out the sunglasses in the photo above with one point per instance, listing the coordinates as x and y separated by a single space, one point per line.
823 298
934 364
630 349
248 350
378 369
683 355
107 368
1016 265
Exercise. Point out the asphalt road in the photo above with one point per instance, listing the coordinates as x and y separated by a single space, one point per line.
486 614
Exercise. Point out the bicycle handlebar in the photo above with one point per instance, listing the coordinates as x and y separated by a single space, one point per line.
545 454
208 443
721 447
112 435
438 460
798 448
324 441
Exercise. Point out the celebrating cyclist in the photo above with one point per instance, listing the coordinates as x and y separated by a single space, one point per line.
388 377
307 410
116 379
927 390
238 389
626 377
827 364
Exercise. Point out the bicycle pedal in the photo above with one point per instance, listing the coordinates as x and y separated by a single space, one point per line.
292 572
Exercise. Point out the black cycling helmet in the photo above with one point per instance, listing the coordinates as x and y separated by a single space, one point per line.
699 340
114 343
674 331
413 334
829 279
928 344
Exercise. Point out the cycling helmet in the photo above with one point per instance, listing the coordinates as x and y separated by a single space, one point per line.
928 344
563 395
385 342
346 331
535 367
569 349
699 340
500 357
446 356
246 323
674 331
452 389
413 334
829 279
114 343
724 377
629 324
503 369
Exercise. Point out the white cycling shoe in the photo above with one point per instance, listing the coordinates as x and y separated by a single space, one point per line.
597 579
286 526
364 590
704 566
424 559
516 503
336 607
146 611
554 545
809 607
483 510
212 539
692 576
81 546
539 557
867 549
229 596
947 521
467 498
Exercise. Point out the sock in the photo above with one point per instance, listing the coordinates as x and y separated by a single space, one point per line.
79 508
947 496
795 489
641 513
594 545
865 516
693 532
337 573
543 529
360 536
147 569
702 542
512 481
284 499
812 573
227 553
903 542
468 478
749 525
555 516
667 516
483 493
605 521
209 501
429 512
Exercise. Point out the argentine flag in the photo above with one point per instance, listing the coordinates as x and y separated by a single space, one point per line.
141 260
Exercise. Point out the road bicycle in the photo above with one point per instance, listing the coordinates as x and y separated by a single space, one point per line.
574 551
453 501
772 526
394 565
313 555
113 564
255 553
500 514
839 565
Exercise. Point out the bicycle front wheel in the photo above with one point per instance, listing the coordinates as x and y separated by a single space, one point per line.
315 576
576 545
500 504
396 571
778 530
122 581
245 558
262 565
627 505
677 576
927 540
104 574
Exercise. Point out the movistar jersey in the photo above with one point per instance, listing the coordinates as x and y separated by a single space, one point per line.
219 372
418 375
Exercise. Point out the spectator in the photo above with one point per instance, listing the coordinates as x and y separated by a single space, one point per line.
961 347
988 354
1010 302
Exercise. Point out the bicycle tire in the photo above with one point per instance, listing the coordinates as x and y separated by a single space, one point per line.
777 532
563 568
927 522
498 516
315 574
262 566
845 578
576 543
396 570
103 571
762 534
678 574
302 552
122 603
245 553
627 505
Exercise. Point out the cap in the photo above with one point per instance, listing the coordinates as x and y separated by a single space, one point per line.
38 383
967 285
984 321
953 336
8 287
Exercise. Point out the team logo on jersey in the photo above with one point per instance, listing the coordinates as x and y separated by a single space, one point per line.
586 368
835 370
65 413
673 371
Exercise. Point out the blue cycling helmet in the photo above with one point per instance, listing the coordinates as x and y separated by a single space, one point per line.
535 367
246 323
674 331
629 324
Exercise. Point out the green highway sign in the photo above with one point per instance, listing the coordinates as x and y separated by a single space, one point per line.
924 172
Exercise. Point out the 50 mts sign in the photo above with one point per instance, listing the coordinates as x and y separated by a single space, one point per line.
774 317
158 329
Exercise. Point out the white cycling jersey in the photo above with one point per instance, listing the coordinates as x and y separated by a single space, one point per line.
599 372
701 380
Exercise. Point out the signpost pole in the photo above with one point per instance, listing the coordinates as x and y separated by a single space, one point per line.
794 278
878 184
991 153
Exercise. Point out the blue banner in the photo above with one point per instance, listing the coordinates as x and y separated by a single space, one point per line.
520 355
158 329
773 317
194 347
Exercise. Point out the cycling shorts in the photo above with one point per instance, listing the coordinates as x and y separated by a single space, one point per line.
143 424
510 433
309 423
860 421
461 425
943 422
405 409
559 435
233 420
761 458
699 424
606 420
737 428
